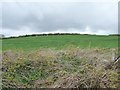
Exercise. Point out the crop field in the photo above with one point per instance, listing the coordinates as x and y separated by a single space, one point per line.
60 61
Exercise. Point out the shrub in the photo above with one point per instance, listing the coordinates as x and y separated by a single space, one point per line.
67 68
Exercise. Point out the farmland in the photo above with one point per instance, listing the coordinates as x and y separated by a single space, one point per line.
60 61
60 41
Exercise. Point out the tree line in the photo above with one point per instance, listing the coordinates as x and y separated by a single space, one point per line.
53 34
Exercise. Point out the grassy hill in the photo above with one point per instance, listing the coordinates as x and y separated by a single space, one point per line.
60 41
60 61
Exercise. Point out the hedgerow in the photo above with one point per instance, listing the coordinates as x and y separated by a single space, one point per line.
68 68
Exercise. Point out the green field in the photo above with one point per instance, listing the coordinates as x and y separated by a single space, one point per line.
60 61
60 41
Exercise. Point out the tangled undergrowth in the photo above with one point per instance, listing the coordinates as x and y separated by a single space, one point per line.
68 68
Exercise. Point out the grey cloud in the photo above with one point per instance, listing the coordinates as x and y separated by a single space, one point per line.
46 17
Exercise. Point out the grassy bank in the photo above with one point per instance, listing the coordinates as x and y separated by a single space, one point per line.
65 68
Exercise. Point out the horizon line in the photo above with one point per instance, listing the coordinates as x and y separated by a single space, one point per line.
40 34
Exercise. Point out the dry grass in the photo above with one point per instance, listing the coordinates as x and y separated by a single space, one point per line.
68 68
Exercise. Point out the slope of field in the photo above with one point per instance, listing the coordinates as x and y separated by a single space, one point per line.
60 61
60 41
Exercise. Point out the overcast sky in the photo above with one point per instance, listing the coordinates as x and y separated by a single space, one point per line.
21 18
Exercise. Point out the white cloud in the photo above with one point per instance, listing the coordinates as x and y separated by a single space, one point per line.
22 31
